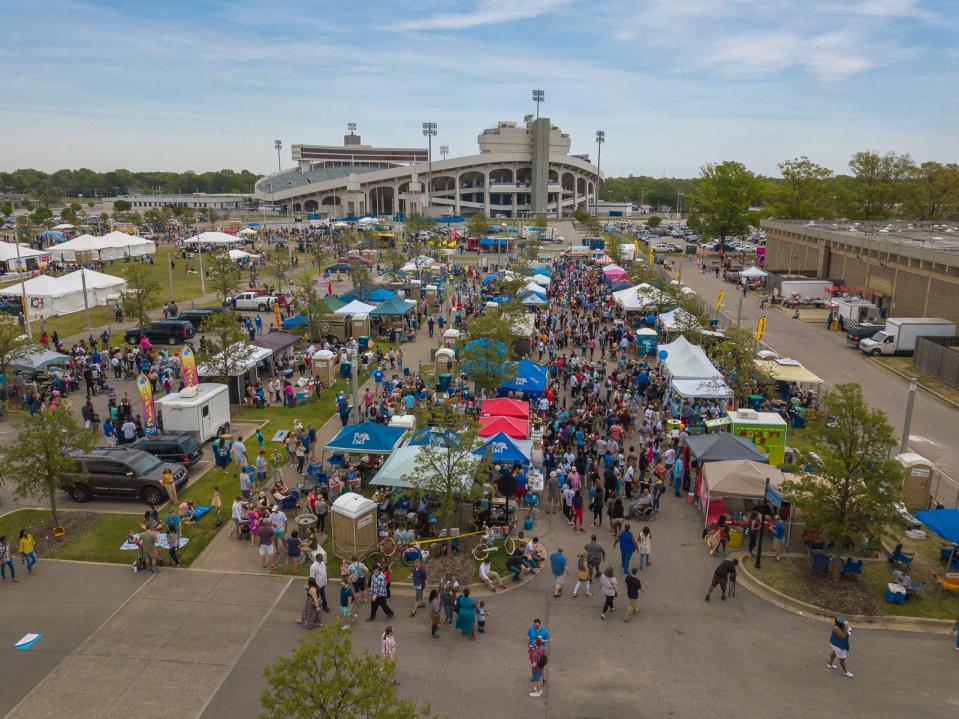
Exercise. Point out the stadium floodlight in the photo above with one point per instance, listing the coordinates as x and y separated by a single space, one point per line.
538 97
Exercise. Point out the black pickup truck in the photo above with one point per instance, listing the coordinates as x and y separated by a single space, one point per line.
856 331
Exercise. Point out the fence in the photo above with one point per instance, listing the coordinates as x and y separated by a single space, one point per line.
939 357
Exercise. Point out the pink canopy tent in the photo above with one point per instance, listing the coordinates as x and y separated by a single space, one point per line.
505 407
510 426
604 260
614 272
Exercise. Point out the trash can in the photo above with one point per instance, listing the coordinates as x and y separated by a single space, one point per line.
444 382
364 343
736 537
756 401
346 369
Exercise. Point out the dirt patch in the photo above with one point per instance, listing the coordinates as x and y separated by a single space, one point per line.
74 523
847 596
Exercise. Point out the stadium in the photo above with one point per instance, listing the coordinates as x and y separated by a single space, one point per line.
519 171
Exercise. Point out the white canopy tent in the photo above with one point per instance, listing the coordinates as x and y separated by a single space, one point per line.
213 238
52 296
8 254
753 272
641 297
112 246
405 462
685 360
714 388
63 226
541 280
355 308
247 231
241 255
103 286
678 318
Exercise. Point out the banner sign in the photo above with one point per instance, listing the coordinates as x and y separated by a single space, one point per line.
149 410
190 376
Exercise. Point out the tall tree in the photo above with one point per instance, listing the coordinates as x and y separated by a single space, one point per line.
224 273
851 496
722 199
879 184
309 303
13 343
362 280
281 265
736 354
415 224
227 345
804 191
614 247
487 358
38 460
393 261
142 292
477 224
933 192
325 679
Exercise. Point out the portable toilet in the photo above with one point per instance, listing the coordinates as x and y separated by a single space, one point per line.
917 474
444 359
430 293
451 336
324 367
353 525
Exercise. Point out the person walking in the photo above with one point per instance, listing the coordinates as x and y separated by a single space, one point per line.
347 598
721 576
310 618
582 575
839 646
319 574
633 588
537 661
28 549
557 561
449 587
595 555
608 585
645 547
388 648
6 561
418 577
579 506
755 527
466 614
436 610
378 594
627 545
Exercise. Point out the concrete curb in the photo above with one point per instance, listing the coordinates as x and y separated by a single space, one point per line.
800 608
906 377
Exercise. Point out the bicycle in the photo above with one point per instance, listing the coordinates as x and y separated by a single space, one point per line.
487 543
388 547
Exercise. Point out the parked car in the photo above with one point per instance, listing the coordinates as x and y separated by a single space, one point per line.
252 300
199 315
121 472
857 331
178 447
169 332
666 247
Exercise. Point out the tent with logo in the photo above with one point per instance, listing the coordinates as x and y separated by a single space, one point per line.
501 449
22 258
367 438
52 296
530 378
504 407
510 426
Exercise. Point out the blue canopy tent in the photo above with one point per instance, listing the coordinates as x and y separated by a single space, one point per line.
367 437
490 279
621 285
494 242
295 323
382 295
542 271
530 379
501 449
945 523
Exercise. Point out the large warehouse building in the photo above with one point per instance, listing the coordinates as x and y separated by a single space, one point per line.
520 170
908 269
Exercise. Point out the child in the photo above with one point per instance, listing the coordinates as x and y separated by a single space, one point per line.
481 615
216 503
346 603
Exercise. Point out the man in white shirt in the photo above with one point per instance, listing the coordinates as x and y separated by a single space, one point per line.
238 450
236 514
318 572
129 431
489 576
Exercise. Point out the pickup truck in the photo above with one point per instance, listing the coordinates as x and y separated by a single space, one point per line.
857 331
253 301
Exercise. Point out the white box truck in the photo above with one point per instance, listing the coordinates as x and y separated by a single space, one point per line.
899 336
202 410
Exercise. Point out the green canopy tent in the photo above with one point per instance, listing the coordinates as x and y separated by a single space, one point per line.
394 307
332 303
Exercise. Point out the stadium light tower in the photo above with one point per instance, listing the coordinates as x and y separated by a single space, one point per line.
278 144
351 128
429 129
538 97
600 139
444 150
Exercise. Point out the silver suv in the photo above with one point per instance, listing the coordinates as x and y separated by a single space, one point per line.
121 472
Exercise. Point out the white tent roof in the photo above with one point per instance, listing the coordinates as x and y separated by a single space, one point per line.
702 388
8 251
405 461
688 361
240 254
355 308
640 297
241 362
247 231
94 280
673 318
41 286
83 243
121 238
63 226
214 238
541 280
753 272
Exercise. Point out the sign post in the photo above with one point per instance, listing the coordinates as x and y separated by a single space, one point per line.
761 328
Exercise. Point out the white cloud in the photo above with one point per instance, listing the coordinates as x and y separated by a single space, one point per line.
486 12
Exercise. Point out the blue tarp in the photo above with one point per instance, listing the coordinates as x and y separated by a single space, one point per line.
367 437
494 241
542 271
430 435
294 323
382 295
504 450
489 279
944 522
530 377
448 220
621 285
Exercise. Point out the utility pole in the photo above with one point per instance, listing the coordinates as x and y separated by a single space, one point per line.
907 424
739 309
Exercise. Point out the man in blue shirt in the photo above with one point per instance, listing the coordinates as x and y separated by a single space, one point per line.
557 561
538 630
678 475
779 534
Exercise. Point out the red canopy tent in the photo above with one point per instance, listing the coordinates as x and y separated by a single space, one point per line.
510 426
504 407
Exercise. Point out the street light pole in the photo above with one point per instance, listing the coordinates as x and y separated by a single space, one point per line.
429 129
907 424
600 139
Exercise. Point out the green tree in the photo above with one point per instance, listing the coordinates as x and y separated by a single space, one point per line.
487 361
933 192
736 354
38 460
224 273
614 247
309 303
415 224
393 261
530 247
13 343
362 279
850 497
319 254
281 264
6 208
227 345
879 184
141 293
325 679
804 192
722 199
654 221
477 224
446 467
122 206
40 215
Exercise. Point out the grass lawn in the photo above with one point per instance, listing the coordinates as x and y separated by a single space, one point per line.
904 366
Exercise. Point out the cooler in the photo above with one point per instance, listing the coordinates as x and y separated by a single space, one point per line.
895 593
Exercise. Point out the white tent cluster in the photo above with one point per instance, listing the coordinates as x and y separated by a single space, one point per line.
50 296
691 374
213 238
640 298
111 246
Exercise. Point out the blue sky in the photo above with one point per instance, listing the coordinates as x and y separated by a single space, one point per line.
210 84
